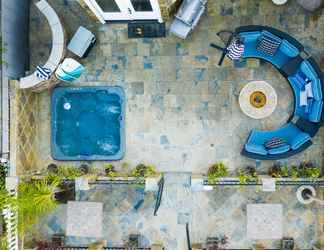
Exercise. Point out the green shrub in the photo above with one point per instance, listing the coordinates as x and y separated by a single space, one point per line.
143 171
217 170
110 171
64 172
247 175
279 171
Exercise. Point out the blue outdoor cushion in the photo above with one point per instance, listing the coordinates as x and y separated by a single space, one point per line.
308 107
257 149
297 82
316 112
299 140
317 90
311 74
250 36
282 149
268 43
288 49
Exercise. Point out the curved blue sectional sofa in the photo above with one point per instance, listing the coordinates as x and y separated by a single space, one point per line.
291 63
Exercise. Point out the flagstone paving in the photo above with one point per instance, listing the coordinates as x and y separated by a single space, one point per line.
222 211
182 111
182 115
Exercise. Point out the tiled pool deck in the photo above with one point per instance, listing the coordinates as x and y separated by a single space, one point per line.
180 106
182 115
223 211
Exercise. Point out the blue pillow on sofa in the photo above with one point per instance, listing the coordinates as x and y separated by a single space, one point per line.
279 150
308 107
268 43
275 142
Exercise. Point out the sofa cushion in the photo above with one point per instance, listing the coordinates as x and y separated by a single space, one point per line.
296 81
308 107
288 49
251 36
316 112
274 142
311 74
299 140
279 150
257 149
317 89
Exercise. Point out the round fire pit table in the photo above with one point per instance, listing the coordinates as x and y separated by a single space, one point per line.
258 99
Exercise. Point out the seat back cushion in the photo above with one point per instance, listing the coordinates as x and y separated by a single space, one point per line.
288 49
256 149
316 111
311 74
268 43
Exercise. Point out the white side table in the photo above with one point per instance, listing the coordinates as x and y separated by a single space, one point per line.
279 2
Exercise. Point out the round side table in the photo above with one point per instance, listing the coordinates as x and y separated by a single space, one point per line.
258 99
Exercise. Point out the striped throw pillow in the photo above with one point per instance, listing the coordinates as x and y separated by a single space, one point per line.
235 50
275 142
268 43
43 73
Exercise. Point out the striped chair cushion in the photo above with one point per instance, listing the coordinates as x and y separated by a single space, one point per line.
274 143
268 43
235 51
43 73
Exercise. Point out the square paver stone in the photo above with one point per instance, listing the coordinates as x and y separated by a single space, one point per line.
264 221
84 219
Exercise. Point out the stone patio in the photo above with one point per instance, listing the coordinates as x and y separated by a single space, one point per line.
180 106
222 211
182 114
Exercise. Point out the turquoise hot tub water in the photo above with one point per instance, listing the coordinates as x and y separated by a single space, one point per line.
88 123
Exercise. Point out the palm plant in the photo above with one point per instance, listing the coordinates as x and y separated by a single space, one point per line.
34 200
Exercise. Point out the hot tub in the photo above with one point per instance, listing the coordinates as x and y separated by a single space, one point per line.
88 123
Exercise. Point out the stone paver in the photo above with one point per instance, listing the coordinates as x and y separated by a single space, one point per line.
182 114
264 221
84 219
222 211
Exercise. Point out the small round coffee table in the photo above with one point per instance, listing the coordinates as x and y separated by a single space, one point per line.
258 99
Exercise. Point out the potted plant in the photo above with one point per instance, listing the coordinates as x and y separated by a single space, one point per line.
279 171
247 175
110 171
143 171
309 170
216 171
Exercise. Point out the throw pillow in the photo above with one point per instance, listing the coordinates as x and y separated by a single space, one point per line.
303 98
268 43
274 143
308 107
309 90
43 73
